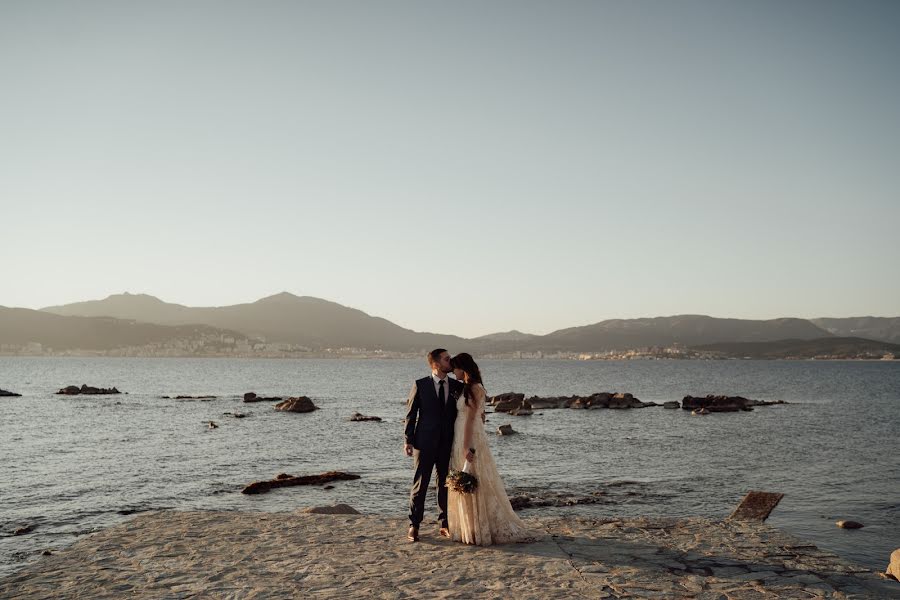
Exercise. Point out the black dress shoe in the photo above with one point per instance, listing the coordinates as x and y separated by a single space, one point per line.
413 534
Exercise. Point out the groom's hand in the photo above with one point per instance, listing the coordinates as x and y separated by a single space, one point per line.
408 449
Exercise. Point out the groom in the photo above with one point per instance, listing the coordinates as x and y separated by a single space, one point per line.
430 418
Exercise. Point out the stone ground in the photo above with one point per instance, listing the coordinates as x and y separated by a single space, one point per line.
289 555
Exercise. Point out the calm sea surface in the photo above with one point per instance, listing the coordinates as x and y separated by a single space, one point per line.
74 465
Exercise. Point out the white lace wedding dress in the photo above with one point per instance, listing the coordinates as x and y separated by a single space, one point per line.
484 517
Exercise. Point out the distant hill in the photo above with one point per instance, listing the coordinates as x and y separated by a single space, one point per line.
834 346
318 324
885 329
506 336
687 330
284 317
20 326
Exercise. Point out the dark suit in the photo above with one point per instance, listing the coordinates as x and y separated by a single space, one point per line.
429 429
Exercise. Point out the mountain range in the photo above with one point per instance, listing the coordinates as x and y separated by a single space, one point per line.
129 319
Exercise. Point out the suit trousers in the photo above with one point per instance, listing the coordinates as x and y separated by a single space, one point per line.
424 462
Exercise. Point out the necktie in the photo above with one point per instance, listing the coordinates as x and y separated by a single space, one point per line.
441 396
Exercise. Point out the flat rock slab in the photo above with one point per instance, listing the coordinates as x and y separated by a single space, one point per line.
174 554
756 506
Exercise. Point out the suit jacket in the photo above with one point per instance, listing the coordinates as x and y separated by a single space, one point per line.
429 424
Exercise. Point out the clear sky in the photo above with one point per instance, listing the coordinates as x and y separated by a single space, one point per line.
460 167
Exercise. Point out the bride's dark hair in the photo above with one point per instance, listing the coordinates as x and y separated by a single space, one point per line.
464 361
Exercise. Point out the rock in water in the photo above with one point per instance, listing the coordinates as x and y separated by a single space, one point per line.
893 568
849 525
505 430
74 390
672 404
252 397
361 417
5 394
285 480
301 404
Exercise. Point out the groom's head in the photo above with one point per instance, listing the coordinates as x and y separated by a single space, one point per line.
439 361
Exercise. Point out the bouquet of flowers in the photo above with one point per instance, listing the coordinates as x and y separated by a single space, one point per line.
462 482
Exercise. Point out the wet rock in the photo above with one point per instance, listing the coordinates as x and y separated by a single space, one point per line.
252 397
724 403
301 404
361 417
523 410
194 397
507 402
236 415
625 401
505 430
5 394
337 509
74 390
556 499
672 404
700 411
507 397
24 530
594 401
849 525
46 553
285 480
212 425
538 403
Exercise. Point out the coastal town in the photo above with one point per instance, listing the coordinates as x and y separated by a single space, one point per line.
225 346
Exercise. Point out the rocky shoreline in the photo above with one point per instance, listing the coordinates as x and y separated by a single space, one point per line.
283 555
517 404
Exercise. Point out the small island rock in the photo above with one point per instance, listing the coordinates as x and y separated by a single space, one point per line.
301 404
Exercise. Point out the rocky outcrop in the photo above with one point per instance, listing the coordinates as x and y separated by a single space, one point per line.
893 568
252 397
505 430
517 404
361 417
671 404
553 499
301 404
74 390
5 394
507 402
337 509
285 480
724 403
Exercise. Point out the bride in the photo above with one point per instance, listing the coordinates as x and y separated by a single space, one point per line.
485 516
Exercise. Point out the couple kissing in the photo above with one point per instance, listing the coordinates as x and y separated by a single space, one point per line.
444 432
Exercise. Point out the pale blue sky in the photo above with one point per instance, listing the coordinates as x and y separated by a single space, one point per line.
462 167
